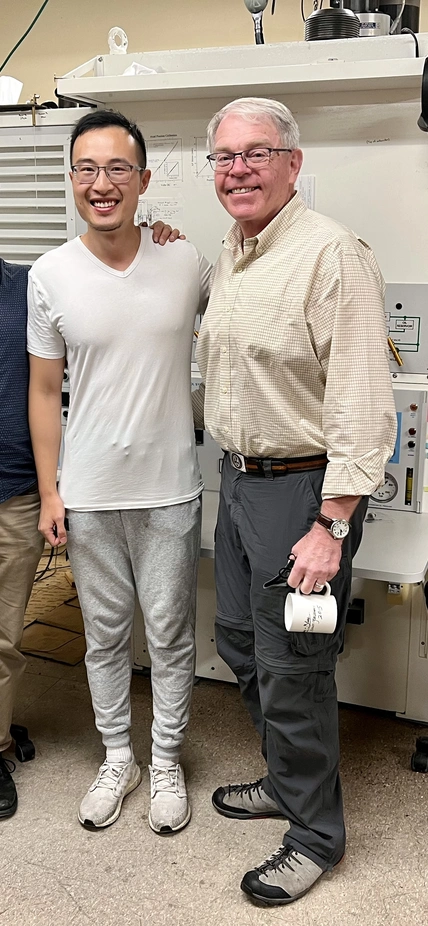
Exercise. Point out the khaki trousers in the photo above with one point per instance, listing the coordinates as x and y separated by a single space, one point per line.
21 546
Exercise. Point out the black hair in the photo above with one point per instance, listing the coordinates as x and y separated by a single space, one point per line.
102 119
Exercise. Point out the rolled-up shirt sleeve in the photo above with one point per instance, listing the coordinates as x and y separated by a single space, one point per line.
346 318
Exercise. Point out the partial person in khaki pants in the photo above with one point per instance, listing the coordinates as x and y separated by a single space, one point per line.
21 544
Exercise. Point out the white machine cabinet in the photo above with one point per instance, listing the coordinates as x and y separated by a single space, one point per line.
366 164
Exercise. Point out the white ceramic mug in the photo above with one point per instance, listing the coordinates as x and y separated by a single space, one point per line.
310 613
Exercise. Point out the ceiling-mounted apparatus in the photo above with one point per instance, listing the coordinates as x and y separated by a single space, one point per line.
334 22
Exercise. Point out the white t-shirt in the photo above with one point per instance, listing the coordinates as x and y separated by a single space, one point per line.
128 338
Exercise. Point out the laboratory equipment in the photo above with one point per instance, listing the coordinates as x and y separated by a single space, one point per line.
333 22
256 8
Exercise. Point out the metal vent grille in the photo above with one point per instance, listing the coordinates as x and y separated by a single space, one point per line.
34 200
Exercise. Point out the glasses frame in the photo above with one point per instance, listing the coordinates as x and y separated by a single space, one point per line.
106 169
242 154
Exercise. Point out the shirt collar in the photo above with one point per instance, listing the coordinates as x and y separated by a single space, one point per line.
290 213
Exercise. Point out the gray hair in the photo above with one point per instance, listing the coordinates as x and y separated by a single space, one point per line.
255 108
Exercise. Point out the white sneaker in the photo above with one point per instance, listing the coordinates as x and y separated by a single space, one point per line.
169 807
102 804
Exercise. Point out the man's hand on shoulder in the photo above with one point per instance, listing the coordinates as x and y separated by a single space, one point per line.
163 232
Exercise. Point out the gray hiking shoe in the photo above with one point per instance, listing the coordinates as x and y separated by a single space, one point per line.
102 804
245 802
282 878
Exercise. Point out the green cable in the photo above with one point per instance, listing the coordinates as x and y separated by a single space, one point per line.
24 36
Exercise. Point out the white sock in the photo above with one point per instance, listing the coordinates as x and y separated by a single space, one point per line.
163 763
122 754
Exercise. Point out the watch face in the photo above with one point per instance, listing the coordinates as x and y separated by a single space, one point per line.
340 529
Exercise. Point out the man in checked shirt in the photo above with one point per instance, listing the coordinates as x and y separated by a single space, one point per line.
293 353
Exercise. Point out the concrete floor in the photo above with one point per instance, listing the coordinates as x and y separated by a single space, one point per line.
55 872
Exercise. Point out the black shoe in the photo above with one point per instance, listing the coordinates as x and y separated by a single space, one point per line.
245 802
8 795
282 878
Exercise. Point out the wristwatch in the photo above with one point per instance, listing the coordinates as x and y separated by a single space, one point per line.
337 527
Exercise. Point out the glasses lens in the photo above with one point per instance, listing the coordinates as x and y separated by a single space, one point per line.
222 161
257 156
120 173
85 174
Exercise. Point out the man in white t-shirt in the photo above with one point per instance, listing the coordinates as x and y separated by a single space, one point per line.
122 310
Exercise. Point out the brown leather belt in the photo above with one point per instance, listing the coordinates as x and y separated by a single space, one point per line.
262 466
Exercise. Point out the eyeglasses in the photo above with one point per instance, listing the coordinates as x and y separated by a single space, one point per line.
256 157
117 173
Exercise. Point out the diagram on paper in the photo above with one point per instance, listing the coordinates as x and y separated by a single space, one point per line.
150 210
165 159
201 167
306 187
404 331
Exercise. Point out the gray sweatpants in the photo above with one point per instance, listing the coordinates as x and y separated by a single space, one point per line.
154 553
286 679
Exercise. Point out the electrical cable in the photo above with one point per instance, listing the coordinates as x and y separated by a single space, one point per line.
49 570
40 575
407 31
24 36
315 5
397 19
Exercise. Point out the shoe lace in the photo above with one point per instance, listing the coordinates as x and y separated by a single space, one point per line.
109 775
9 765
281 859
165 779
247 789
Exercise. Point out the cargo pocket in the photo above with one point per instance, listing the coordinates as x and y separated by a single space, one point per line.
309 644
324 685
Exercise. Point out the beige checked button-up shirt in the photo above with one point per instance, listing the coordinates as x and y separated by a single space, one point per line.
293 349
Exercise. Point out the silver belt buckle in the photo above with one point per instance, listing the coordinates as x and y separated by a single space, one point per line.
237 461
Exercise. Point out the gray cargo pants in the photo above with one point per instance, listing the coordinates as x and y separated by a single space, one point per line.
286 679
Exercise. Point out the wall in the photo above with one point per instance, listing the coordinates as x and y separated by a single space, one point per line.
70 32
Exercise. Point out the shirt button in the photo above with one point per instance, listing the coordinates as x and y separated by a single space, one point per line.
226 430
224 350
224 390
239 269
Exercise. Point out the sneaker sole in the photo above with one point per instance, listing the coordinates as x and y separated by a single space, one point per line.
273 901
236 814
99 826
170 830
